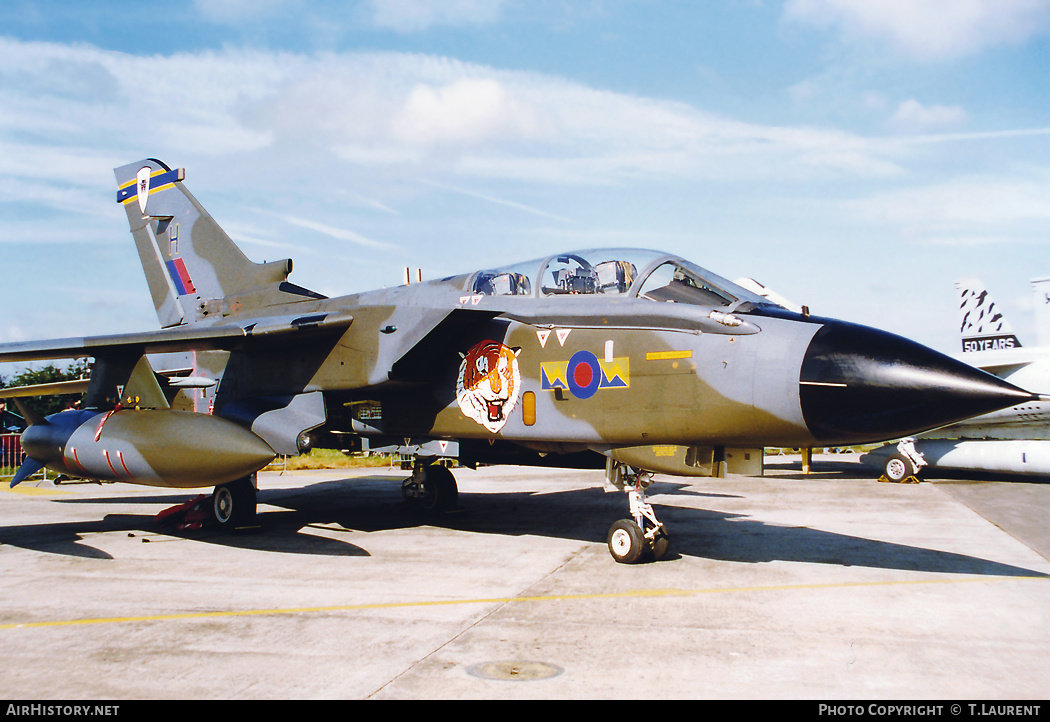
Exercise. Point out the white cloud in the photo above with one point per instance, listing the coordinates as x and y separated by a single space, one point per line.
928 29
804 91
397 110
467 110
971 207
874 100
341 234
295 122
12 333
499 201
911 115
416 15
962 241
391 110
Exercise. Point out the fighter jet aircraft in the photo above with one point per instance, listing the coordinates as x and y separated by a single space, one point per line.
630 359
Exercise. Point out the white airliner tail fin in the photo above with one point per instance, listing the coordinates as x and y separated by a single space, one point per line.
983 327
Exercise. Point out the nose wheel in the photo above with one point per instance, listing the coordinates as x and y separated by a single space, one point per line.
643 536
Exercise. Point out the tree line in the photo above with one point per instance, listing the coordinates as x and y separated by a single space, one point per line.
45 405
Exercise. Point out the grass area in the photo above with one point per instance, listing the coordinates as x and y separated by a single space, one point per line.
328 459
315 459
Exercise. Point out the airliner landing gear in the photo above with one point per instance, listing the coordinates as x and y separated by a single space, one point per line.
898 469
431 488
644 535
904 466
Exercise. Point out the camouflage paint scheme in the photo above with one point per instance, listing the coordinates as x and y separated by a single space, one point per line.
625 354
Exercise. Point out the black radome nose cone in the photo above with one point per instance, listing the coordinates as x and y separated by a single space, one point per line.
859 384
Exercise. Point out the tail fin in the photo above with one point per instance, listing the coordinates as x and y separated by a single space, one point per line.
194 270
1041 288
983 326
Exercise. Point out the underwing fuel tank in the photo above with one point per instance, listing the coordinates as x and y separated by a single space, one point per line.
858 384
155 447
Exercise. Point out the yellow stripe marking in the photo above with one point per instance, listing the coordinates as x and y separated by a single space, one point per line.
30 490
639 593
133 181
666 355
129 199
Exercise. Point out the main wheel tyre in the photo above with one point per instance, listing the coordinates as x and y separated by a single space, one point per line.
661 545
898 468
436 493
626 541
234 504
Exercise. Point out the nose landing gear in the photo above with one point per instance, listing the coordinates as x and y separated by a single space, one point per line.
632 540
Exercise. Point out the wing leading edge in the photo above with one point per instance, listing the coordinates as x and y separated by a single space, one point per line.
222 337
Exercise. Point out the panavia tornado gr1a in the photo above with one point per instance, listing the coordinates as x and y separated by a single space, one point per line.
631 360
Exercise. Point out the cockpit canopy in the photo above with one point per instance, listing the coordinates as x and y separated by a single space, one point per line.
625 272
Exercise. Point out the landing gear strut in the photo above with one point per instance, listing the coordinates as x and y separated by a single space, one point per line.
644 535
904 466
431 488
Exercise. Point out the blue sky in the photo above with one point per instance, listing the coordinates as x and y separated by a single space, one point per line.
855 156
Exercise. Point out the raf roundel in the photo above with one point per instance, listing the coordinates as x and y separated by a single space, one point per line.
584 374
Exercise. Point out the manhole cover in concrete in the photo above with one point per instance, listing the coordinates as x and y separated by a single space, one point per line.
514 671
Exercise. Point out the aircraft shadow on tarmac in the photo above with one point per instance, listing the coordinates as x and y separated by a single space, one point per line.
370 504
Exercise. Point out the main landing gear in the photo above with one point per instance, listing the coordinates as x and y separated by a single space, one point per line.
431 489
234 504
631 540
231 505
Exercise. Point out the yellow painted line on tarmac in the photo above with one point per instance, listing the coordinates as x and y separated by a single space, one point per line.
29 490
635 594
